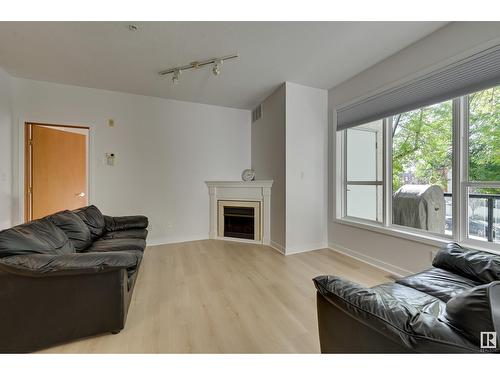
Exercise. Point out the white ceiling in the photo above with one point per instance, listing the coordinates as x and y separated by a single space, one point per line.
107 55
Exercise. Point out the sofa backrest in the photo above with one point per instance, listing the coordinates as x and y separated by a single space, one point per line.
35 237
473 264
94 220
74 227
476 311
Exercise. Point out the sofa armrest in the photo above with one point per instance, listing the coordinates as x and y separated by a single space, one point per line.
115 223
400 322
37 265
473 264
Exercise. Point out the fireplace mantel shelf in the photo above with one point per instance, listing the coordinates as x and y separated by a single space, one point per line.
258 191
256 183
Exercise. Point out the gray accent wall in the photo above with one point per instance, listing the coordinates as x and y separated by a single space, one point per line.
268 159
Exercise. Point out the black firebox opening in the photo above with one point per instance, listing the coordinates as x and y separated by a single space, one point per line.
239 222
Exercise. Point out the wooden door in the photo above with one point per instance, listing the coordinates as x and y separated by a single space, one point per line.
58 170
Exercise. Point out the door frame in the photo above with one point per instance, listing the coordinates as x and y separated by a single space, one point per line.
28 164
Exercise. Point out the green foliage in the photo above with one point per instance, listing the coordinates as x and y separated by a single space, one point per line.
484 136
422 141
422 145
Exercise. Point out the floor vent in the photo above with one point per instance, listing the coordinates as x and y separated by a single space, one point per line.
257 113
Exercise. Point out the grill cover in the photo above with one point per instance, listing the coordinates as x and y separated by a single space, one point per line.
419 206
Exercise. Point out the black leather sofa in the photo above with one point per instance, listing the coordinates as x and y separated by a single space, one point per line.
444 309
67 276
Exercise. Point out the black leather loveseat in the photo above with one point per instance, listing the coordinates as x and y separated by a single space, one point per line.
452 307
66 276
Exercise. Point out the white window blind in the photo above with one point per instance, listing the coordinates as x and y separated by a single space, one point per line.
476 72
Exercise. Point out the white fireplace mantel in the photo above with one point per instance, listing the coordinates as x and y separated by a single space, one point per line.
252 191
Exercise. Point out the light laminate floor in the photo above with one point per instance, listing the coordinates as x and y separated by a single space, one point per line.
225 297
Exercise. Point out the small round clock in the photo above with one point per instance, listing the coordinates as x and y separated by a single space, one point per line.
248 175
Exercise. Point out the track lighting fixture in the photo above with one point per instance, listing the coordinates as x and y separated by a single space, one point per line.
215 62
175 77
216 67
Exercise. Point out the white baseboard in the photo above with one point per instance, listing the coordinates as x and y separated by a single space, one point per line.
157 242
305 248
391 268
297 249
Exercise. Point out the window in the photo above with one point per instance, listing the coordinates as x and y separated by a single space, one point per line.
483 156
442 169
363 177
422 144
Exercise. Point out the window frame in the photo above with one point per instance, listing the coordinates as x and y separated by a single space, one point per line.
376 183
466 183
460 186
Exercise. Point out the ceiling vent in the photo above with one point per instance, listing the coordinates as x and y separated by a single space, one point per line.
257 113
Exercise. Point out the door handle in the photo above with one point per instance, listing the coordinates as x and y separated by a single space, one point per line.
81 195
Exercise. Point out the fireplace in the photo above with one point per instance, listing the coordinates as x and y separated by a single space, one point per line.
239 219
232 206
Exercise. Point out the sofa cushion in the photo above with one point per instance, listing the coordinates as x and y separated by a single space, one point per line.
473 264
380 311
37 265
94 220
476 310
116 223
74 227
439 283
420 300
130 233
35 237
118 244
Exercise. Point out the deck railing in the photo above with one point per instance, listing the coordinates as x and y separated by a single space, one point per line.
492 203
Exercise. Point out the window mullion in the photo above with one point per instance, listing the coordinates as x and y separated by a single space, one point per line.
483 184
463 154
338 209
370 183
457 168
344 173
387 179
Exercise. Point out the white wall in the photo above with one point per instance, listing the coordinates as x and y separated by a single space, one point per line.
306 168
5 151
165 151
268 159
452 40
289 146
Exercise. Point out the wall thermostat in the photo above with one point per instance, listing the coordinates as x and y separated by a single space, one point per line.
110 159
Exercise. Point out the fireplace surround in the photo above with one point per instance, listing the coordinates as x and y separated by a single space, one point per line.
240 210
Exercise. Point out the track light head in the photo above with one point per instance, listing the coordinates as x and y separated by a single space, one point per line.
217 66
176 75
